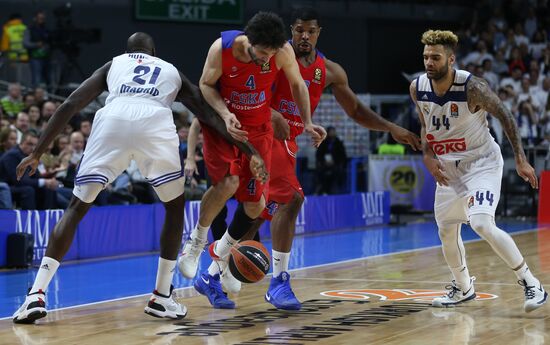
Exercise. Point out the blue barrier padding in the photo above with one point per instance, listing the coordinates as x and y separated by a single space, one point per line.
118 230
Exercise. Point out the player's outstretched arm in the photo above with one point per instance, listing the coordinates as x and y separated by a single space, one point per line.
286 60
337 79
90 89
480 96
433 165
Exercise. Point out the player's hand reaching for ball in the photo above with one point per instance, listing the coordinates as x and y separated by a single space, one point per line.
234 127
403 136
437 170
317 133
527 173
258 169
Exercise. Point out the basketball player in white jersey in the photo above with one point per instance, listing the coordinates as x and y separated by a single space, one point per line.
467 164
136 123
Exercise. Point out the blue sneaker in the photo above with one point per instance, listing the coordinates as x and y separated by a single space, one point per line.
280 293
211 287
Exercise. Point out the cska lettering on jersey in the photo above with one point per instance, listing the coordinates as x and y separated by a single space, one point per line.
153 91
248 98
443 147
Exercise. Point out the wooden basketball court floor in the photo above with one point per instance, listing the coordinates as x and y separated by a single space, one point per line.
380 297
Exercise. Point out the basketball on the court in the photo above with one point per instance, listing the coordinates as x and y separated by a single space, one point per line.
249 261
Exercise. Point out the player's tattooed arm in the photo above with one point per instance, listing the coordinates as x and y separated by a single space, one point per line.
480 96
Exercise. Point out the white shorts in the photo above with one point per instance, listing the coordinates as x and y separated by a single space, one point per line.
474 188
122 132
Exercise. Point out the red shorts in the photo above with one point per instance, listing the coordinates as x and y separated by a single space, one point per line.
223 159
283 183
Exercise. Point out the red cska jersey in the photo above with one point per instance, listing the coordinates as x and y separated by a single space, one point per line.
314 76
246 87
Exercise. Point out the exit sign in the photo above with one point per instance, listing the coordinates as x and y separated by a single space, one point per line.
206 11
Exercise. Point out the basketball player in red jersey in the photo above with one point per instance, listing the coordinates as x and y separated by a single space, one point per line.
285 193
238 74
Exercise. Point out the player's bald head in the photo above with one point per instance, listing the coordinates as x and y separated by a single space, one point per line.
140 42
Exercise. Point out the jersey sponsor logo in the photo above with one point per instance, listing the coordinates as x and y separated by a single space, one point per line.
266 68
470 202
317 75
443 147
419 295
454 110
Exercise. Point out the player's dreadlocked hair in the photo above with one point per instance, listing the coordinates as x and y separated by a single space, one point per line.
446 38
266 29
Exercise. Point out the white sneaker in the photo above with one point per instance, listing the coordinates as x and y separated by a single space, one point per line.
188 261
535 296
33 308
229 283
455 295
165 306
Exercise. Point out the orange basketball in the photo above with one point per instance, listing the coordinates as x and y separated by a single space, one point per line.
249 261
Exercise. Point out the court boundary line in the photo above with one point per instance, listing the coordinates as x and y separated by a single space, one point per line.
521 232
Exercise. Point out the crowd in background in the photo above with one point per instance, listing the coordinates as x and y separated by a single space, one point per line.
507 46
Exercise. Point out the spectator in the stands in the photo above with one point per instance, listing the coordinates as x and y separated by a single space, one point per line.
500 66
31 192
331 161
489 75
40 96
34 117
12 103
22 125
28 100
48 108
37 42
514 80
477 56
8 139
85 129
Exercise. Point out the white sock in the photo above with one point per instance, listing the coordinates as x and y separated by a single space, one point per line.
224 245
165 273
200 232
461 276
214 268
47 269
280 262
524 273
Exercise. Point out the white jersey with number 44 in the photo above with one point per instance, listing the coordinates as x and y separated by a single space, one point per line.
452 130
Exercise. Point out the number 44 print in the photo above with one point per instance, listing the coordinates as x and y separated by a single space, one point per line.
488 196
